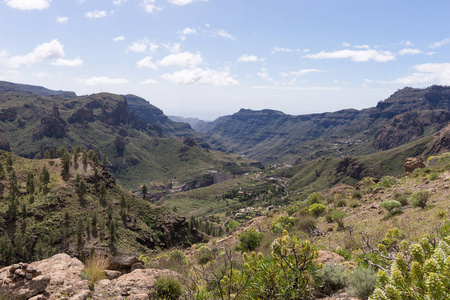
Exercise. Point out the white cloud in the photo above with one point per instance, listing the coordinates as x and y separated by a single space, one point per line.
362 47
306 71
103 80
182 59
146 62
224 34
62 62
173 48
264 75
188 30
355 55
201 76
28 4
149 6
440 43
142 46
119 2
184 2
297 88
62 20
51 50
344 44
407 43
119 38
279 49
409 51
150 81
432 72
248 58
96 14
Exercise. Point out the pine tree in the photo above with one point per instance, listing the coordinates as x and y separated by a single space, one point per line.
13 185
85 158
51 153
104 160
144 191
30 183
45 179
9 162
81 188
2 171
65 165
102 190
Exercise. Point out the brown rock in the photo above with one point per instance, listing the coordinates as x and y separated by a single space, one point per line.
137 266
25 290
123 262
110 274
412 163
63 270
329 257
83 295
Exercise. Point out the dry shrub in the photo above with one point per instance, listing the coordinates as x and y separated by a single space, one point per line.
95 267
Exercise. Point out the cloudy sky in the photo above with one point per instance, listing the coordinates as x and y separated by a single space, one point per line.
207 58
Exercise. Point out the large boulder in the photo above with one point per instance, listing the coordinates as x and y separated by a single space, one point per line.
412 163
134 285
123 263
22 281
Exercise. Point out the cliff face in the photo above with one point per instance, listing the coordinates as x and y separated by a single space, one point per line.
272 136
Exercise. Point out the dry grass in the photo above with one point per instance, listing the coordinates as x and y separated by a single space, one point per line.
95 267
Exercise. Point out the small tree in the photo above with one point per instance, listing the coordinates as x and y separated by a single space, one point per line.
65 165
30 183
337 217
102 190
144 191
81 188
249 240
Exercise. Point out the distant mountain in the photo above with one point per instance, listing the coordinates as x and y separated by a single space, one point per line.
195 123
138 152
153 115
272 136
38 90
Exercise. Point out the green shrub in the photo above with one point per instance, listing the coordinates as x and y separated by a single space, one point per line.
363 282
341 202
357 195
168 288
419 199
441 214
433 176
316 209
390 205
387 182
306 224
291 209
337 217
353 204
205 254
401 198
282 223
444 230
342 252
177 256
249 240
314 198
330 279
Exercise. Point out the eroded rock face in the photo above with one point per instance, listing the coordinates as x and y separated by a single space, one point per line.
412 163
52 125
123 263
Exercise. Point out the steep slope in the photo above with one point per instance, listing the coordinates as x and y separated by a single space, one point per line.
153 115
138 152
272 136
45 209
195 123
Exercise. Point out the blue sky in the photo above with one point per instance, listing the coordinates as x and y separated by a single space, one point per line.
207 58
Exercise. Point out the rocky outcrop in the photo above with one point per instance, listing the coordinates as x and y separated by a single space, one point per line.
81 115
22 281
52 125
439 143
8 114
329 257
4 145
119 142
59 277
409 126
350 167
412 163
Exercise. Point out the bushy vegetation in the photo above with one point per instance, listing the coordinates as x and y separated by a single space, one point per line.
249 240
317 209
419 199
95 267
168 288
